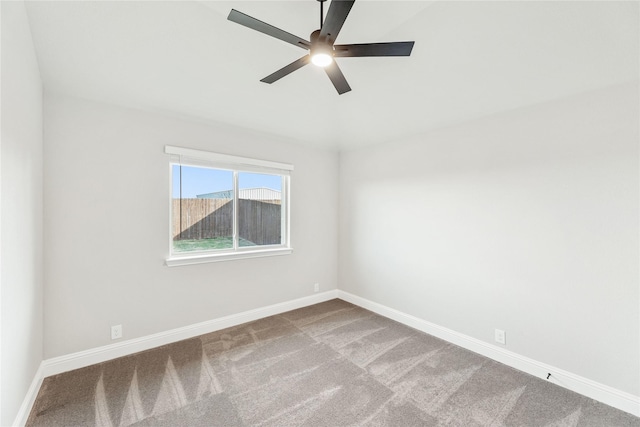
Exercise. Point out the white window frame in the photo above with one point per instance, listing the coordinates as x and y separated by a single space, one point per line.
191 157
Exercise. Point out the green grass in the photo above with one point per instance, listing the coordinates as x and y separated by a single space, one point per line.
207 244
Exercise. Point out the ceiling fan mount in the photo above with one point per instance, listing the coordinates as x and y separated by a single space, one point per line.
321 44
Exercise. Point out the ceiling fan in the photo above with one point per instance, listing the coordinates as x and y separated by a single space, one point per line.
321 47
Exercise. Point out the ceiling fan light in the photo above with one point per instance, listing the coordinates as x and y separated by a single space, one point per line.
321 59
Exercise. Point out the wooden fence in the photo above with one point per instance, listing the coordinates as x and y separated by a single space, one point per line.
258 222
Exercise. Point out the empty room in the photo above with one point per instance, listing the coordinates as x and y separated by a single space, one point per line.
320 213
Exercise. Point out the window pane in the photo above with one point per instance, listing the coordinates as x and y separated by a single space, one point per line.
202 209
259 209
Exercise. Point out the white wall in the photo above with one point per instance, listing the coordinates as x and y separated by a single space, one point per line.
107 217
20 212
526 221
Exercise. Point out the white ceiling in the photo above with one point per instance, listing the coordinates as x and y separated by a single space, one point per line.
470 59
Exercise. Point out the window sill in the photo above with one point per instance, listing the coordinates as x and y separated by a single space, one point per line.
205 258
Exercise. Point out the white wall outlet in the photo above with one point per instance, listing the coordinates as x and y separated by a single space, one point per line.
316 287
501 336
116 332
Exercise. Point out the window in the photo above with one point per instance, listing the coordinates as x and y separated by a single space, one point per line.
226 207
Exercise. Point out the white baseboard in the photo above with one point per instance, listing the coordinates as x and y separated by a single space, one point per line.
81 359
30 398
600 392
101 354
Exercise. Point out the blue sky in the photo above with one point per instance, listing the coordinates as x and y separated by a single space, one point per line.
197 180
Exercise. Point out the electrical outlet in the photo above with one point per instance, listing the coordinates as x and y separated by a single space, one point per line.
316 287
116 332
501 336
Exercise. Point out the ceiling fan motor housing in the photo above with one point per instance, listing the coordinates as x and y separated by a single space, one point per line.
318 45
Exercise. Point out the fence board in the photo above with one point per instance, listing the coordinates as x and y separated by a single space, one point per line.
258 222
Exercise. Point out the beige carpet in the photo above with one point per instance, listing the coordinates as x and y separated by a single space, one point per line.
331 364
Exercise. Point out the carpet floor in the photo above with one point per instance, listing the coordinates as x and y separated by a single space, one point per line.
330 364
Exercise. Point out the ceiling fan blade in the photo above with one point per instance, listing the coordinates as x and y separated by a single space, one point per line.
374 49
337 78
299 63
337 14
270 30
